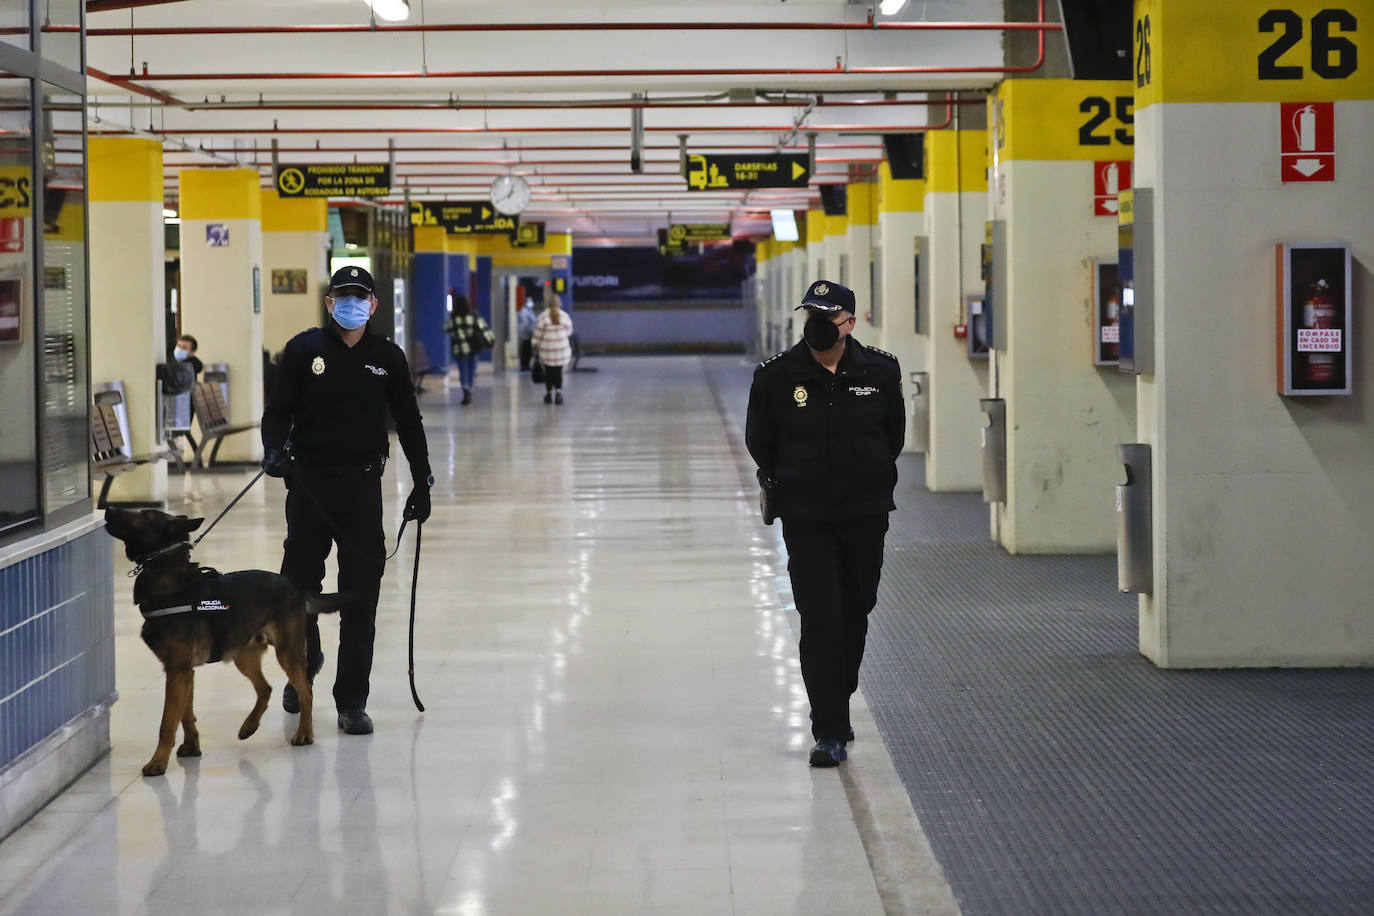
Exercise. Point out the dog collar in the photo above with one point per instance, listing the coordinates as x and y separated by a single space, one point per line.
142 561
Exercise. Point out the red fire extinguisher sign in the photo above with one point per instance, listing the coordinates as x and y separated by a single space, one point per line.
1308 145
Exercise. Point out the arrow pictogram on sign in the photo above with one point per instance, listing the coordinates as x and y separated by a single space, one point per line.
798 170
1309 167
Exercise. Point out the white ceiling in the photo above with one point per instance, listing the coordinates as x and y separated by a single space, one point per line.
551 104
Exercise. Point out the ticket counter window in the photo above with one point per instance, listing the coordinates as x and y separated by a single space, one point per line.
66 394
20 340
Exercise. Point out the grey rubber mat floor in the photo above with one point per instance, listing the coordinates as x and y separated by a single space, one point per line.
1056 771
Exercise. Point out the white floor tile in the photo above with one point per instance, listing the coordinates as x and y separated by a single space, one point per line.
615 720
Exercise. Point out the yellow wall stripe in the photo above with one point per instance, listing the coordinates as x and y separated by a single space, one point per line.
894 196
815 227
836 225
125 169
293 214
956 161
220 194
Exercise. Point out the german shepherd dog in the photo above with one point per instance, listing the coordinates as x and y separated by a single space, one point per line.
194 615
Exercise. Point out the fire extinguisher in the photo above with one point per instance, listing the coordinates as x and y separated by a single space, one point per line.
1319 312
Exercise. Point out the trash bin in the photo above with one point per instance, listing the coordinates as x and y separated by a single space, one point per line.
994 441
920 412
1134 526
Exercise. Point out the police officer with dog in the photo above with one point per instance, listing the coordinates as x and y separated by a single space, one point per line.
825 425
325 432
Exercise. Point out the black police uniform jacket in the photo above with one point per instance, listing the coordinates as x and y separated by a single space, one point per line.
830 440
332 401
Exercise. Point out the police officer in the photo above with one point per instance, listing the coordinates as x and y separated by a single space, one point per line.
325 432
826 424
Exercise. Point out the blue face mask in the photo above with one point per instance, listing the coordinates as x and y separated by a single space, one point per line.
180 354
351 312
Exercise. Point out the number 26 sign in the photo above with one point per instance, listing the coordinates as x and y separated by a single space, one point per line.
1301 51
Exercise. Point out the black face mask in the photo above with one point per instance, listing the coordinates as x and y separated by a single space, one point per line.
820 333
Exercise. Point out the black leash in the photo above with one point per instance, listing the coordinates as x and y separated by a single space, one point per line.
414 578
242 493
414 581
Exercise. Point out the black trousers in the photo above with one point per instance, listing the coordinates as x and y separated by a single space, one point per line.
553 378
526 353
835 567
324 507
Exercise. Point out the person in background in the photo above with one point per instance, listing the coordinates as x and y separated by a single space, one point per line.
468 336
526 319
186 352
551 343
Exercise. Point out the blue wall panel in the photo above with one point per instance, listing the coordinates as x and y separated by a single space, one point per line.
429 306
56 640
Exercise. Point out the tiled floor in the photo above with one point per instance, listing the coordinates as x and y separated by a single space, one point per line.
615 722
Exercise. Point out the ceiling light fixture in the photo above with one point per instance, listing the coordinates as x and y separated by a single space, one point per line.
398 10
886 7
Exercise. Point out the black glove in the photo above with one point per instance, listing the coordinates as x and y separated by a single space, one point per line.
417 506
276 464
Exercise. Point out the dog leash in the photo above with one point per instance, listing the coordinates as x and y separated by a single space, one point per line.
414 577
414 582
242 493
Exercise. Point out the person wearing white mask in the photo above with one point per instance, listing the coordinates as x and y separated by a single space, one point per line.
325 432
185 352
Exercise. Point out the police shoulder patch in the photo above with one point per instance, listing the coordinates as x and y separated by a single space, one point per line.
772 359
880 352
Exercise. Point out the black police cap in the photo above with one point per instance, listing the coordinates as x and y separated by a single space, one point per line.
352 276
828 297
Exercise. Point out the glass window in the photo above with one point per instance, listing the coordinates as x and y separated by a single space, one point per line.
66 394
61 39
14 22
19 337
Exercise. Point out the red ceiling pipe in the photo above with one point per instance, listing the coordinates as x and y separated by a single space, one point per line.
499 106
1041 26
125 82
866 26
697 129
528 149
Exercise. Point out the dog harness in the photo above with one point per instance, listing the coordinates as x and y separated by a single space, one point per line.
203 599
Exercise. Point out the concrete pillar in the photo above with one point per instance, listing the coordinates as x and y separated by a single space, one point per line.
295 243
221 287
1065 414
901 220
816 266
956 208
1263 516
128 288
857 243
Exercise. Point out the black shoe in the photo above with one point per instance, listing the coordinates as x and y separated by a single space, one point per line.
548 397
290 700
467 395
828 754
358 722
558 397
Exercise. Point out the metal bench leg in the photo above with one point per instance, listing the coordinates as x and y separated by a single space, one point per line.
103 501
214 452
199 460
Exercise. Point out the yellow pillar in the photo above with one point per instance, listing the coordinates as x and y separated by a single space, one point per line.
221 287
128 288
295 252
901 222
